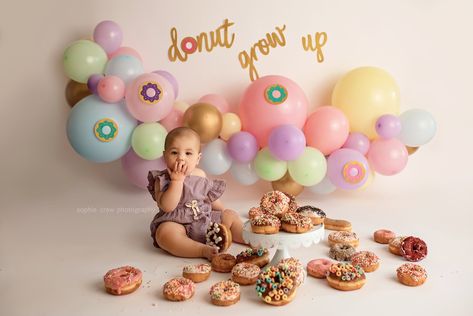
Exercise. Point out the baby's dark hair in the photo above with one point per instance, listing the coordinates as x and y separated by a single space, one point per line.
180 131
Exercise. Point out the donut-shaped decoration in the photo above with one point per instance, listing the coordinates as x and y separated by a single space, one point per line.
354 172
106 130
150 92
188 45
275 94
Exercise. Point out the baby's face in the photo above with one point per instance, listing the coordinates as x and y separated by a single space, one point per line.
183 149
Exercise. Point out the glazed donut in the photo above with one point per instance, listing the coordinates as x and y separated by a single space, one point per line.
258 256
411 274
294 266
315 214
346 277
413 249
225 293
275 203
395 245
296 223
254 211
265 224
123 280
218 235
245 273
341 252
197 272
318 268
343 237
383 236
223 262
178 289
365 259
276 286
337 224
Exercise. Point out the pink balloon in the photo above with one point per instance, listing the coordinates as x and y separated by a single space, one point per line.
387 156
111 89
149 97
358 142
124 50
173 119
136 169
326 129
271 101
216 100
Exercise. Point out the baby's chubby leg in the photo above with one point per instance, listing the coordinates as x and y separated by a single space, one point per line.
231 219
172 237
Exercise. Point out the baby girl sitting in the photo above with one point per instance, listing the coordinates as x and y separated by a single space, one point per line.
187 200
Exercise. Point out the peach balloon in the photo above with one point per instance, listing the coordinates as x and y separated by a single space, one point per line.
124 50
326 129
387 156
216 100
271 101
173 119
231 125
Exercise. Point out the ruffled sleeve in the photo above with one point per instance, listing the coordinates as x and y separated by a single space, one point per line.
164 179
217 187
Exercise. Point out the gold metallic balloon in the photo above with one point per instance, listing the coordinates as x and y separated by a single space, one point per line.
287 185
411 150
205 119
75 92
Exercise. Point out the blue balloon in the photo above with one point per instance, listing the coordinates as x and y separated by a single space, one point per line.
244 173
125 67
100 131
418 127
215 158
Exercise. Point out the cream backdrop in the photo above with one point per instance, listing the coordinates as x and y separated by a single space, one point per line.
48 247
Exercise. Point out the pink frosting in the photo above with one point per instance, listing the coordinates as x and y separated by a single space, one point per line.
319 266
121 277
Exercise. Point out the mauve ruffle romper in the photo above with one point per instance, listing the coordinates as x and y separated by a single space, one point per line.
194 209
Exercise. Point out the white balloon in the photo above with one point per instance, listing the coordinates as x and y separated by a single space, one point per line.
323 187
244 173
418 127
215 158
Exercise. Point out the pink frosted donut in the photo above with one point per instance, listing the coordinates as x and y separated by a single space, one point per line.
383 236
318 268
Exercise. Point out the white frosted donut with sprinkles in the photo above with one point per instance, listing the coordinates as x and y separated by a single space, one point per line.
411 274
197 272
225 293
245 273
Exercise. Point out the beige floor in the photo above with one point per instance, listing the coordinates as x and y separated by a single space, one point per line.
57 242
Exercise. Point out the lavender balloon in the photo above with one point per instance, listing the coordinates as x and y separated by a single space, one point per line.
388 126
358 142
93 82
286 142
242 147
136 169
108 34
171 79
347 169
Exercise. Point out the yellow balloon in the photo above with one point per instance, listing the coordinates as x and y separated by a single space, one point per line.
231 125
287 185
364 94
369 180
205 120
181 105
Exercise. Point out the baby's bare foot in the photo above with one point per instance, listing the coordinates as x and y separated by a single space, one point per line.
209 252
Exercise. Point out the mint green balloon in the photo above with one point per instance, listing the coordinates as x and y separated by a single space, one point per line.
148 140
84 58
269 168
310 168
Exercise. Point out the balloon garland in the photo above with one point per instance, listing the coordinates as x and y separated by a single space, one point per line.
119 111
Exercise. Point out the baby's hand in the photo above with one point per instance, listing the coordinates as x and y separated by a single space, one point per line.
179 172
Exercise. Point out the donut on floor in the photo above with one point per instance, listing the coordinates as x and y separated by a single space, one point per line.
123 280
225 293
294 266
337 224
343 237
413 249
218 235
318 268
178 289
245 273
197 272
346 277
383 236
258 256
365 259
276 286
411 274
395 245
341 252
223 262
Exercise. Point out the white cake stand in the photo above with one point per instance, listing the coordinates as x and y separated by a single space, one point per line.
282 240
